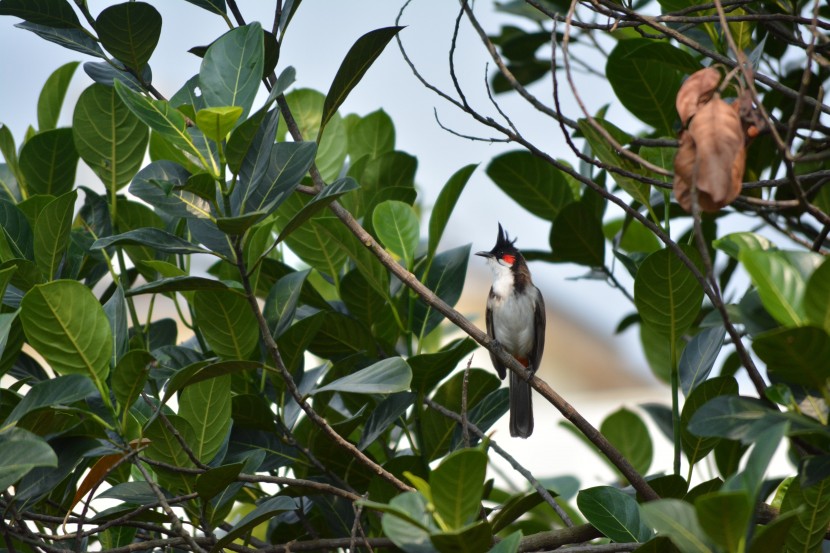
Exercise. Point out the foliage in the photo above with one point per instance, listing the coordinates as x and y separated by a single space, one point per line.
316 403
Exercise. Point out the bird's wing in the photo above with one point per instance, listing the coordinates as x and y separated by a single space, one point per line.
491 332
539 326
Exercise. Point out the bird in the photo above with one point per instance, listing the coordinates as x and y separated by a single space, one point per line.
516 320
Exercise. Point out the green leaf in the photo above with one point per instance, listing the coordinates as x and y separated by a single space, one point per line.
20 452
215 6
371 136
64 322
813 507
628 433
159 116
428 369
130 32
162 185
696 448
165 446
48 161
214 481
388 376
227 322
677 520
71 38
445 204
63 390
407 521
359 58
281 303
116 311
515 507
780 285
204 370
699 357
645 75
614 513
368 265
738 242
109 138
577 237
510 544
474 538
323 199
536 185
51 96
396 224
232 68
217 122
129 376
152 238
263 512
457 485
310 241
52 233
791 354
183 283
387 412
446 279
51 13
817 297
289 162
724 516
206 405
773 535
667 295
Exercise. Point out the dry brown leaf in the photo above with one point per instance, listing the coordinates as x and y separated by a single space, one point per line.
711 157
696 91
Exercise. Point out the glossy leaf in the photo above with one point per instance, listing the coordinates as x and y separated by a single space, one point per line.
264 511
614 513
324 198
217 122
699 357
780 285
577 237
678 521
48 161
384 377
232 68
212 482
71 38
129 377
20 452
407 522
289 162
368 265
445 204
534 184
116 311
152 238
63 390
457 485
162 185
165 446
358 59
627 432
695 447
204 370
51 13
817 297
666 294
738 242
227 323
396 224
724 517
446 279
215 6
65 323
791 355
281 303
310 241
428 369
130 32
109 138
206 405
813 507
484 415
51 96
52 233
388 411
371 136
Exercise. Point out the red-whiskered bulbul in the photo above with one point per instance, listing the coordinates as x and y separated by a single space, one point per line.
516 320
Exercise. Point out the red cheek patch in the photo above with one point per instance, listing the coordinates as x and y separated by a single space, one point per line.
509 259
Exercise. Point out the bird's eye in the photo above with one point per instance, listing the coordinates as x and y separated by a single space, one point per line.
509 259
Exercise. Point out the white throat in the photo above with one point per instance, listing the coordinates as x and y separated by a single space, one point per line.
502 278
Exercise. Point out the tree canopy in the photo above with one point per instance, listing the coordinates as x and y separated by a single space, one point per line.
305 395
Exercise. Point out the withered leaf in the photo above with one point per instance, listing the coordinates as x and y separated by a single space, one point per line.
696 91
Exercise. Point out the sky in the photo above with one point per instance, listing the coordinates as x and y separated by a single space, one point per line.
318 38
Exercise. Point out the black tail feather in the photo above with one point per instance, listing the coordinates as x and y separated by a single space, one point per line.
521 407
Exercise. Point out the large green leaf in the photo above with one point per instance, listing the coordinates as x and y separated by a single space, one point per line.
52 233
446 279
817 297
129 377
152 238
324 198
48 161
109 138
227 322
779 283
215 6
628 433
357 61
63 390
206 405
737 242
724 516
614 513
71 38
232 68
667 295
281 303
387 413
457 485
428 369
217 122
813 507
51 13
371 136
445 204
695 447
677 520
699 357
396 224
162 184
536 185
310 241
407 522
645 75
372 270
51 96
65 323
792 355
20 452
263 512
577 237
384 377
130 32
165 446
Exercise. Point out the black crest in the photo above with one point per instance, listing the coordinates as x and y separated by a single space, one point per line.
503 242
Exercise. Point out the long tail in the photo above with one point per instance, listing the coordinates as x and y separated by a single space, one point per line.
521 407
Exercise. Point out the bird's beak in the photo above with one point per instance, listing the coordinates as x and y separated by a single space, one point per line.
484 254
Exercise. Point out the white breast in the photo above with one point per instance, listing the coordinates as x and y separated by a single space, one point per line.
513 315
